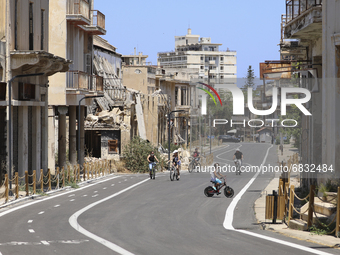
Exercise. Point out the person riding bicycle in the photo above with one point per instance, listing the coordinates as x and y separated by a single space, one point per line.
151 159
216 175
196 155
238 157
176 161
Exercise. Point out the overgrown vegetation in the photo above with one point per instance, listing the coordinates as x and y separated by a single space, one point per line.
135 155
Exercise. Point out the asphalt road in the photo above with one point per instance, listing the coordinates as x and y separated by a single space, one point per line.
131 214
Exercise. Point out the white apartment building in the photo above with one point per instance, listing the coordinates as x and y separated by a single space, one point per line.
201 58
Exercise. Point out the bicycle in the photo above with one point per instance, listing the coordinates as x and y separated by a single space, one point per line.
193 164
153 171
228 191
238 167
173 173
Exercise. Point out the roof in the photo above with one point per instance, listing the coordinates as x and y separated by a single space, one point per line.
102 43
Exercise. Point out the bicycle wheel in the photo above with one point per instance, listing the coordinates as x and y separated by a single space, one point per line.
172 172
191 166
228 192
209 191
153 172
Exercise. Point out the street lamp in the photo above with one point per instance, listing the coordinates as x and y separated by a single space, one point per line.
85 97
169 118
10 123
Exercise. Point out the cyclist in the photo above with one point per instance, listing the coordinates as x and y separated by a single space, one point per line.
196 155
238 156
176 161
216 175
151 159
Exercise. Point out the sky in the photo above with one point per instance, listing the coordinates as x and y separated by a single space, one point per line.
252 28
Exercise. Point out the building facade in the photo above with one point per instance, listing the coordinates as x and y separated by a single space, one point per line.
26 63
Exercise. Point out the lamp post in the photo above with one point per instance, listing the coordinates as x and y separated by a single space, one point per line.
85 97
10 122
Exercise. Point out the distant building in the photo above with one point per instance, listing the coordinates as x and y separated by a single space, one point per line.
201 58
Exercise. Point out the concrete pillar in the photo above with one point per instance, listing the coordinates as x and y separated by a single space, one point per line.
82 138
23 139
72 135
44 134
51 139
36 139
62 136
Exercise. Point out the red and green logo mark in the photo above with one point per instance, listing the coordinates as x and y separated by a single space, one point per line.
209 93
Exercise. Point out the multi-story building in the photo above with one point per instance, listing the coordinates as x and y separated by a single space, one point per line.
26 61
73 24
201 58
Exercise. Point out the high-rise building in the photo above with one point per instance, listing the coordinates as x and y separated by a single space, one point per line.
201 58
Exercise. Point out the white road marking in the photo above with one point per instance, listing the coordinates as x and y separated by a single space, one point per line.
56 205
95 191
105 188
72 195
74 223
41 212
95 195
29 221
84 195
125 180
119 182
228 220
13 243
112 185
31 230
51 197
72 200
45 242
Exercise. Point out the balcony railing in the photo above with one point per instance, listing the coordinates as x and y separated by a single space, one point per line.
296 7
117 94
77 80
79 7
98 19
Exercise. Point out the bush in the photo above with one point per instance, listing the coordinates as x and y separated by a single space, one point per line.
135 155
172 146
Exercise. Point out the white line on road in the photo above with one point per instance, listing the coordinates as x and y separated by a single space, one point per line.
228 220
58 195
29 221
105 188
72 200
95 191
112 185
31 230
74 223
44 242
41 212
84 195
56 205
72 195
95 195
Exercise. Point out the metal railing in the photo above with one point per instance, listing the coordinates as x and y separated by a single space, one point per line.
77 80
296 7
98 19
78 7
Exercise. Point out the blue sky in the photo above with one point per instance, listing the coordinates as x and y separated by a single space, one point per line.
252 28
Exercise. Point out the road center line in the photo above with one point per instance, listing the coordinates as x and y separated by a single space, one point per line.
228 220
74 223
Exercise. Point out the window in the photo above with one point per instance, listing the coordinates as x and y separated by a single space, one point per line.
113 146
202 67
30 23
42 30
222 58
222 68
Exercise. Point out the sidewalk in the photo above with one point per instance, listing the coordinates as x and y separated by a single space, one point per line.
282 228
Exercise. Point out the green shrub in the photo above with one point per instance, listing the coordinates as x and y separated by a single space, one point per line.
135 155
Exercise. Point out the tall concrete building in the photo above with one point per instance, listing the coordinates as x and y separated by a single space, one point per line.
201 58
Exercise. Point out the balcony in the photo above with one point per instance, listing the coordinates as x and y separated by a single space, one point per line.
97 26
78 12
303 19
78 80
